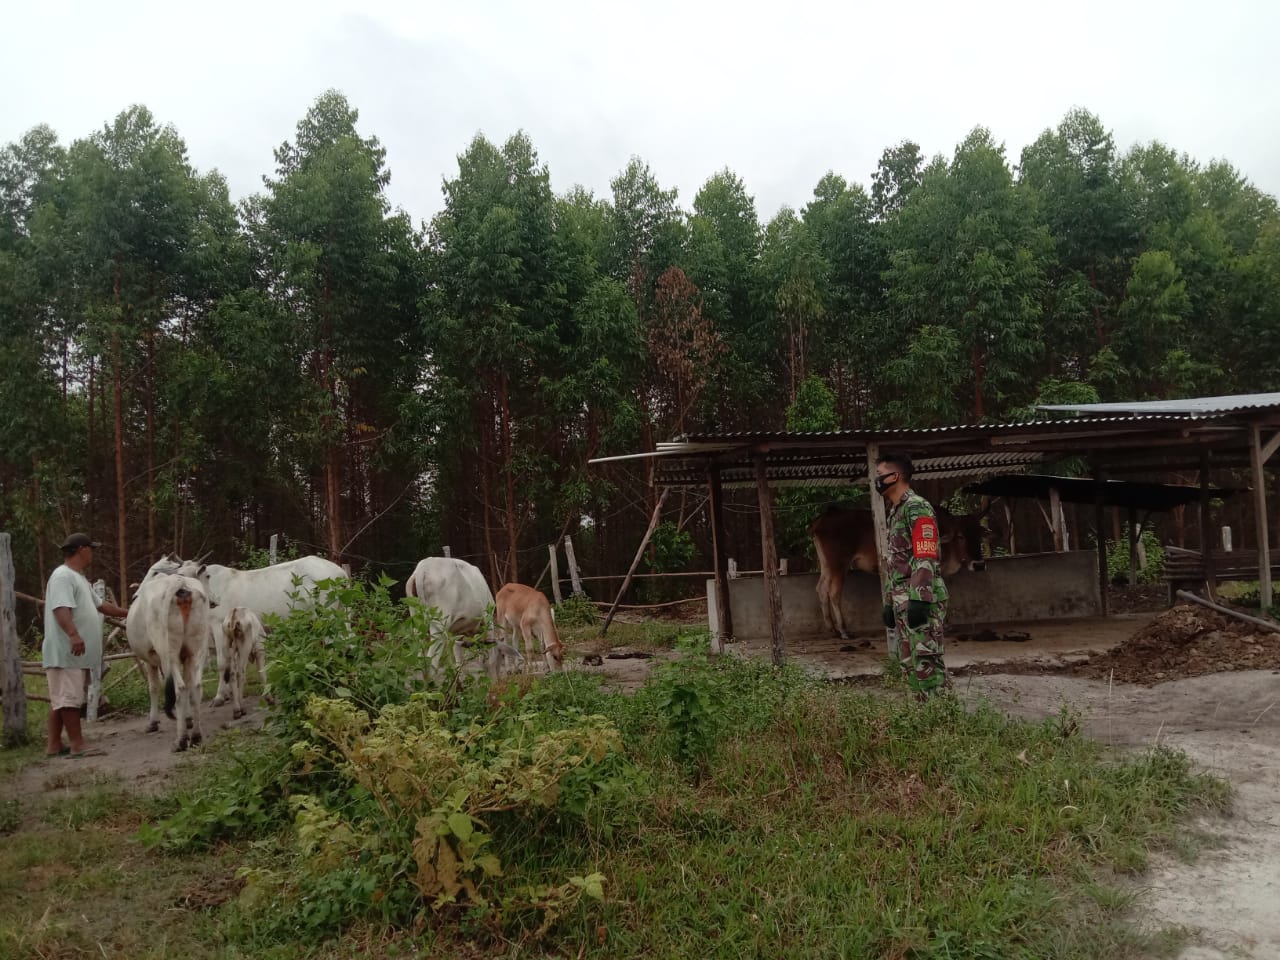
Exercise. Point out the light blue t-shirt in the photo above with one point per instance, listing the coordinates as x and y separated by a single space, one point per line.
70 589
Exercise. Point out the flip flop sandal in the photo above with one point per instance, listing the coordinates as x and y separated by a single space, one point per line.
90 752
61 753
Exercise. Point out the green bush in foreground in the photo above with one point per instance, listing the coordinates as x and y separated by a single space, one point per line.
725 809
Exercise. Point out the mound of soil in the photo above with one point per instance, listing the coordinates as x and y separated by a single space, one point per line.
1186 641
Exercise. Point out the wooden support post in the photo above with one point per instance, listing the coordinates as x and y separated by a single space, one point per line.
275 544
769 560
635 561
13 690
1257 460
447 551
575 575
1133 547
1099 517
733 569
724 609
1008 525
1055 519
880 521
1206 526
555 573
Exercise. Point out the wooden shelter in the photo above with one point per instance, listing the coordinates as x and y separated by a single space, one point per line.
1115 439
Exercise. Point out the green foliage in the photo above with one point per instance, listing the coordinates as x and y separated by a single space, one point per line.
671 550
576 611
255 558
1118 557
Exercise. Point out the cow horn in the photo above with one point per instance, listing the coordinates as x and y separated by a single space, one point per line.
203 558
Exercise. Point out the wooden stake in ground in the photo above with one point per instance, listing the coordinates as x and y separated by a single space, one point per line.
554 564
635 561
14 691
575 575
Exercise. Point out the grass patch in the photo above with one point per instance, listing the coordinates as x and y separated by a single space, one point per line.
725 809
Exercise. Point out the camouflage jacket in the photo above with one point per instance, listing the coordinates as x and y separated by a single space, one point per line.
915 551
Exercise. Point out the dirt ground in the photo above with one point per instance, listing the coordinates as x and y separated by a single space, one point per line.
1206 697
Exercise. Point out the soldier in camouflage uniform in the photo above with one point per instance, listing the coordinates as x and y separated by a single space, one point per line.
915 602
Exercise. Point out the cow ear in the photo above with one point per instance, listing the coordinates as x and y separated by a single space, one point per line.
203 568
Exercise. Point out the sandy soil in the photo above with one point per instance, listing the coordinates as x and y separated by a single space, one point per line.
1230 724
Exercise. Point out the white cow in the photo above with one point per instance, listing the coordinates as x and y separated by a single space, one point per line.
459 591
242 635
263 591
527 616
168 630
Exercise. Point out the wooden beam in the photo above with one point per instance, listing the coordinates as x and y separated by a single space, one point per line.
1055 517
635 561
719 551
1101 536
880 520
769 561
1206 533
1268 448
1258 457
13 691
1133 547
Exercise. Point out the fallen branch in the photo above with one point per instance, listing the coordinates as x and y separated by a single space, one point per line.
1265 624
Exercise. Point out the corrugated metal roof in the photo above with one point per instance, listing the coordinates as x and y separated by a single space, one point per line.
802 471
1190 407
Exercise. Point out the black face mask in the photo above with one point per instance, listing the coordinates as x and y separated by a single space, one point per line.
885 482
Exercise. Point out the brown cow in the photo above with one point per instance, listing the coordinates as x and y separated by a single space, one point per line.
525 613
846 539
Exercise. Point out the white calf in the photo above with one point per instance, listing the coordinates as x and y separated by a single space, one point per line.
242 642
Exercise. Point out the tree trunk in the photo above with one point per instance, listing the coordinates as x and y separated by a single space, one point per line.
1097 310
36 512
118 397
513 571
486 458
91 457
151 448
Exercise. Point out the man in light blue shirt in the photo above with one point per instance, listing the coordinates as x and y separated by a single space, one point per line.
72 641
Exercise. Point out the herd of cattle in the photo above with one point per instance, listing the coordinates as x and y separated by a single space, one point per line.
181 608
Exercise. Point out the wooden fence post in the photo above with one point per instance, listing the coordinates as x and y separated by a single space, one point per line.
574 574
555 572
14 692
274 548
446 551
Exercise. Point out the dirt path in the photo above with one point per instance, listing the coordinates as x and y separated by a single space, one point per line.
140 761
1229 723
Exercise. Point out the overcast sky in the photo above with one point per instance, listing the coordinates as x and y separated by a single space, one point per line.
780 92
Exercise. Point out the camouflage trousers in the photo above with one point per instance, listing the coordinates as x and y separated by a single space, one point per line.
920 648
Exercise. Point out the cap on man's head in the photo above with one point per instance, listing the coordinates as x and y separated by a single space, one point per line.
78 540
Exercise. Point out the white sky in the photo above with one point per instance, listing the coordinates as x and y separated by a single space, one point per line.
780 92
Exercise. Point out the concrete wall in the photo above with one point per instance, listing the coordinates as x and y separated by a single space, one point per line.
1041 586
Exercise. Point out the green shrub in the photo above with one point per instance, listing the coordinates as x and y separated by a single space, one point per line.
1118 557
576 611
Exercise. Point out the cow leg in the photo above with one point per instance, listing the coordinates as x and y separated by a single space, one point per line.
239 660
220 655
823 601
835 587
182 713
259 657
153 688
195 691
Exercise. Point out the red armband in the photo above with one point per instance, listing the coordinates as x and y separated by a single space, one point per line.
924 539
